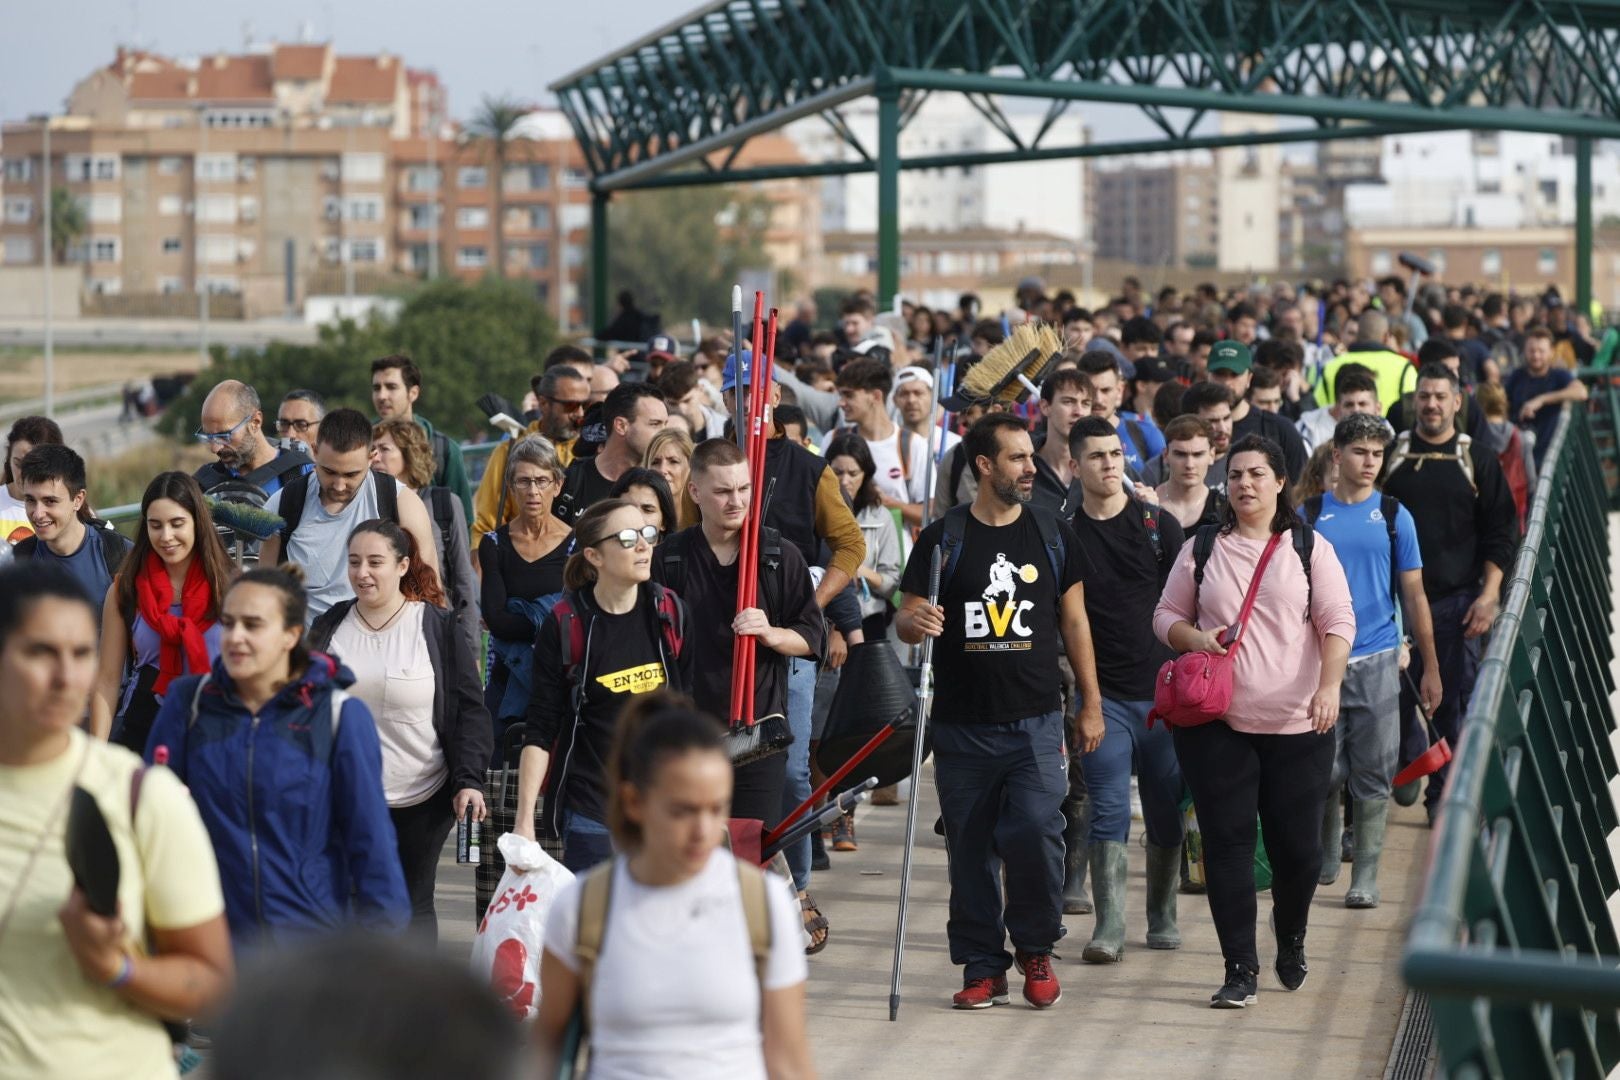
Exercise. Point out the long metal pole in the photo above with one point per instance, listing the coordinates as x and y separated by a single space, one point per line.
1583 226
196 238
48 256
925 694
935 429
888 190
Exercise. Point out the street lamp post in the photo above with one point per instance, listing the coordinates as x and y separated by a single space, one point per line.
48 257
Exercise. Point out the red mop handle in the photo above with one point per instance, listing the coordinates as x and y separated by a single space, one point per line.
742 655
827 785
763 373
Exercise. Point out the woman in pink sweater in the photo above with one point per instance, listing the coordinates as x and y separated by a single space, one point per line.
1272 754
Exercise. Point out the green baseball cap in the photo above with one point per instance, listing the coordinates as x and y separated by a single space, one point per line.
1230 356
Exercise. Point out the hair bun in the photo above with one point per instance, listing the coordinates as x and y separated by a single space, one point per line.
295 572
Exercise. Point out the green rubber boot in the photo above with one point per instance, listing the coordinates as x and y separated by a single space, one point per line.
1372 817
1109 861
1076 824
1332 826
1163 878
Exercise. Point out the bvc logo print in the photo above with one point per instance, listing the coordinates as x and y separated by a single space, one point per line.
997 624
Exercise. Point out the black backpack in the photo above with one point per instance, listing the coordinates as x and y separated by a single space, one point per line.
1302 536
441 506
955 531
296 492
113 545
1389 506
676 547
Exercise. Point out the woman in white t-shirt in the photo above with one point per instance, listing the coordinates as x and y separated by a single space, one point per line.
675 990
416 673
27 433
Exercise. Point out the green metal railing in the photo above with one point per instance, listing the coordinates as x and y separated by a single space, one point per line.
1513 941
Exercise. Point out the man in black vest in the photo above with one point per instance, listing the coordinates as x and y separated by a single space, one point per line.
233 428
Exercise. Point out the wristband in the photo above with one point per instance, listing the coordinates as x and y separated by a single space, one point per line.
124 973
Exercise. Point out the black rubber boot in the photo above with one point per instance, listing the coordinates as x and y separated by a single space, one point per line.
1076 823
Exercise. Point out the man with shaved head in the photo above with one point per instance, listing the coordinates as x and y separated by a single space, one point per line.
233 428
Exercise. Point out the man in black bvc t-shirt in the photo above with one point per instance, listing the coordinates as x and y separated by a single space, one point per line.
1010 591
1129 548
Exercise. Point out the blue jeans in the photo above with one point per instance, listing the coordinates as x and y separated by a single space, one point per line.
1126 739
801 699
1001 790
585 842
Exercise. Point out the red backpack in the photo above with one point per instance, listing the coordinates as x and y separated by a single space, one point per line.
571 632
1517 476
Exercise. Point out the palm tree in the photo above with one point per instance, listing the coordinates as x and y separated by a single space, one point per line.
67 222
494 124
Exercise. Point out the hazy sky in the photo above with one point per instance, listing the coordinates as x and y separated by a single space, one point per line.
477 46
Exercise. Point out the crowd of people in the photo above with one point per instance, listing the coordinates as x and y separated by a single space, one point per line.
1326 484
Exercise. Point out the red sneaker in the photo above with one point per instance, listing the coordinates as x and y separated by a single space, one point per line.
1041 987
981 993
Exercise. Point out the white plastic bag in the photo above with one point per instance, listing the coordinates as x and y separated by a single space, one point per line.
506 950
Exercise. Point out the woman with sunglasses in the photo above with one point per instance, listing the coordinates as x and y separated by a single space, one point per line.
521 564
614 635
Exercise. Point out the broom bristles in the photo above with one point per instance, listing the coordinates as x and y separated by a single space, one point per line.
747 743
1029 350
251 521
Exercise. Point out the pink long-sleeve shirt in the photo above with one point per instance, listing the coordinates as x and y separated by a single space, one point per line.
1279 662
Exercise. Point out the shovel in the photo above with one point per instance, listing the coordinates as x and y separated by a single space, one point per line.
1431 760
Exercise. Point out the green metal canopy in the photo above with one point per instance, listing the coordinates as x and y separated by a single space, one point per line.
677 106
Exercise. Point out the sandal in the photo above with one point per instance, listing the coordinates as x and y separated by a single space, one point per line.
814 923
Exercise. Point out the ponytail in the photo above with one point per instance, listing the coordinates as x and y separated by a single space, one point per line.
419 582
652 729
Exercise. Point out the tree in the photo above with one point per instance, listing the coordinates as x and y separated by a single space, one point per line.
68 222
493 125
466 339
679 250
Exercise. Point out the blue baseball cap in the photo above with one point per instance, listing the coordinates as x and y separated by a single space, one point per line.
728 377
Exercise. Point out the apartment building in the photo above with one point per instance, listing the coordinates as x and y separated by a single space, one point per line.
1164 212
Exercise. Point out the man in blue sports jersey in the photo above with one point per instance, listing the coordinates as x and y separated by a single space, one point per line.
1376 541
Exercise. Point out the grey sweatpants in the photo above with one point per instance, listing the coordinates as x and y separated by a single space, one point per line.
1367 737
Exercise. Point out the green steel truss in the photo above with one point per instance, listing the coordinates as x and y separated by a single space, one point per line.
738 68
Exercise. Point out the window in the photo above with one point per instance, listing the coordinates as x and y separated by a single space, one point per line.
539 256
218 249
105 286
539 218
225 284
237 118
248 209
247 168
331 208
539 177
102 209
365 251
18 169
169 286
330 249
19 211
472 176
424 217
1490 261
171 165
365 208
472 217
363 168
219 167
1381 261
574 256
575 216
19 249
220 209
422 178
1549 191
419 258
104 250
172 245
575 178
472 258
83 168
1547 262
170 205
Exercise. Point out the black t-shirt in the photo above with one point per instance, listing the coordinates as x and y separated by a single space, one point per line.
997 659
1123 581
508 575
1279 431
1051 493
622 657
710 592
583 486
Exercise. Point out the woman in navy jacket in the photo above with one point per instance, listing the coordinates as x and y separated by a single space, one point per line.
285 768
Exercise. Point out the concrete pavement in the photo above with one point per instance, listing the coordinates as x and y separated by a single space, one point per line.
1146 1017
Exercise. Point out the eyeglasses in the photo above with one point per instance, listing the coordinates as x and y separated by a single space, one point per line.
221 436
533 483
627 537
570 406
300 426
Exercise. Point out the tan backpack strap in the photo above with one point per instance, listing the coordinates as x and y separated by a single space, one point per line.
757 913
595 894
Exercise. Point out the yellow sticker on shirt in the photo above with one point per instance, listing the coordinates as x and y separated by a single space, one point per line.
636 680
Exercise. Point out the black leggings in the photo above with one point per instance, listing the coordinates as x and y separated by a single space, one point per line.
421 831
1282 779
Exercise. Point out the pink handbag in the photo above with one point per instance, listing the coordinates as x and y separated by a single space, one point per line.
1196 687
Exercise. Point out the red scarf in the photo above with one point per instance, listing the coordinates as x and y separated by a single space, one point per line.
182 646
